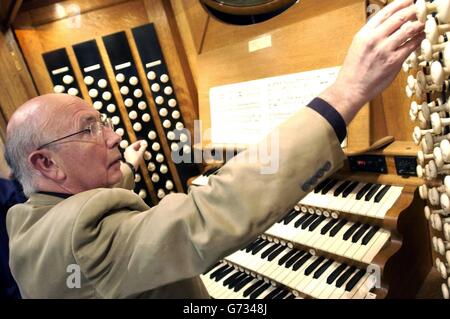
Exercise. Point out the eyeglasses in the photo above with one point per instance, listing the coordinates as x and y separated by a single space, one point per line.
95 129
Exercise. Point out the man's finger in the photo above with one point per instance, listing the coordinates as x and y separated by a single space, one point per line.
396 21
402 35
405 50
388 11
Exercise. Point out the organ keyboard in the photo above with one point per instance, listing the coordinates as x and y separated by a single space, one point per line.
356 235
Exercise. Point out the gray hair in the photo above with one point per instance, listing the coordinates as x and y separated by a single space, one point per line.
20 142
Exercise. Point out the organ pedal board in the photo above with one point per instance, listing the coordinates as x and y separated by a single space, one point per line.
359 234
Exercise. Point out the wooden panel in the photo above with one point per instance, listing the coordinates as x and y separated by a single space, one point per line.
37 12
297 45
4 170
19 87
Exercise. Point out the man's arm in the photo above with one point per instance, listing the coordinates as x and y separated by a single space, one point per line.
126 248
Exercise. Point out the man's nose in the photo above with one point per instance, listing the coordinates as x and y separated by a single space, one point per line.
112 138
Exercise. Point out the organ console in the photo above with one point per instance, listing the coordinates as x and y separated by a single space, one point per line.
358 234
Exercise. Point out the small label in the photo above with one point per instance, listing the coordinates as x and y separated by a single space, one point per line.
60 70
260 43
122 66
154 63
91 68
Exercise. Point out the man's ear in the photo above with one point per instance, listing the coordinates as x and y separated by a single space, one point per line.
42 161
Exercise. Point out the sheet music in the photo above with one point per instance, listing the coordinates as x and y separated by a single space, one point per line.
243 113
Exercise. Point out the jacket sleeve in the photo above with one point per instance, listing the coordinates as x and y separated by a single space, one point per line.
126 248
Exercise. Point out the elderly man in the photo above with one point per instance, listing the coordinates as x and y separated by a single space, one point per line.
66 157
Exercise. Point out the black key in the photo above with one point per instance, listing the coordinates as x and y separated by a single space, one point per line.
288 214
314 265
371 192
291 217
218 271
301 261
282 294
291 296
242 283
273 293
361 231
322 269
259 291
215 266
294 258
316 223
341 188
328 226
321 185
301 220
344 277
369 235
363 190
252 288
286 257
310 220
350 231
257 249
349 189
276 253
335 273
254 244
269 250
329 186
232 278
379 196
338 227
224 273
239 279
355 279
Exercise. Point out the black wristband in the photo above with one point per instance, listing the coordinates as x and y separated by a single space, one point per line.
131 166
331 115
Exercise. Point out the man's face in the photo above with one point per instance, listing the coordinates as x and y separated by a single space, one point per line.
88 161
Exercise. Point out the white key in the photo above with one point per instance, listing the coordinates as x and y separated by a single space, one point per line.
365 288
333 243
324 294
359 254
323 283
355 246
313 284
338 292
351 293
377 246
394 194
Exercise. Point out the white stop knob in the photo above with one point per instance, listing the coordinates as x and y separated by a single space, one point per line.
146 117
67 79
137 127
142 105
120 77
102 83
98 105
151 75
111 108
88 80
58 88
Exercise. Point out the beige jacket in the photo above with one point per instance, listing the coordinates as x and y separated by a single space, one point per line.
124 249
